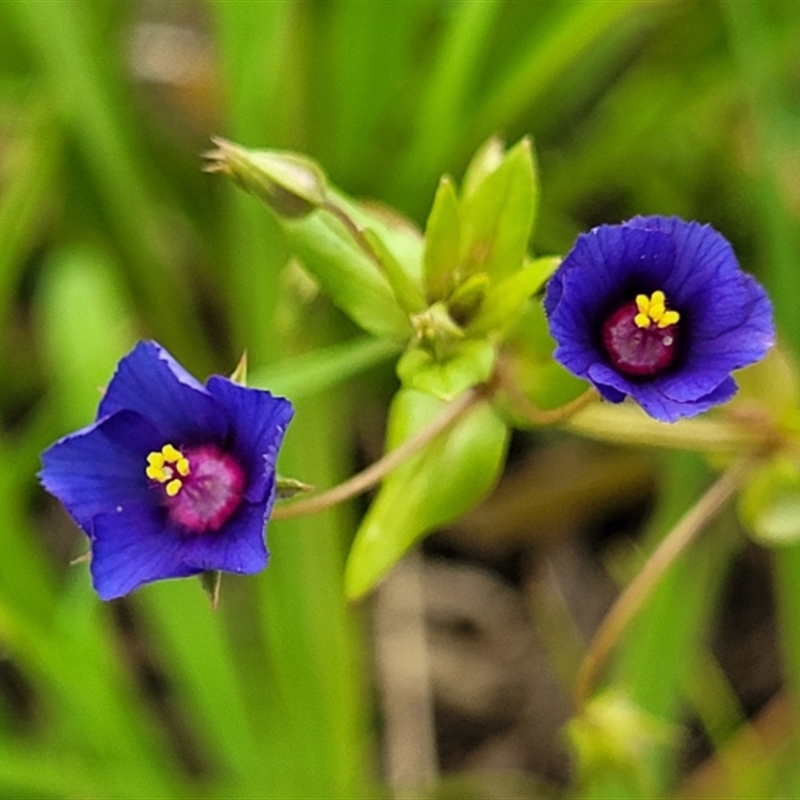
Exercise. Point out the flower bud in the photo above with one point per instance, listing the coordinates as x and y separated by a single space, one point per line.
291 185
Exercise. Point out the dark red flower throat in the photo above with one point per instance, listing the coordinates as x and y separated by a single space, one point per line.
641 336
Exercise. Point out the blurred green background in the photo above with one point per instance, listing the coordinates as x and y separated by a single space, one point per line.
110 231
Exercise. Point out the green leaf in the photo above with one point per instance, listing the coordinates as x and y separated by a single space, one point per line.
86 327
769 505
442 254
503 305
471 363
332 243
407 292
321 370
497 217
772 383
400 236
450 475
351 279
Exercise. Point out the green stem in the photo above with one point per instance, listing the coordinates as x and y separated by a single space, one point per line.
380 469
640 588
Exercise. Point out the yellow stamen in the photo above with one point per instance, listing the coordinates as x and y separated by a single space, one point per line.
173 487
668 318
156 473
162 466
171 453
653 309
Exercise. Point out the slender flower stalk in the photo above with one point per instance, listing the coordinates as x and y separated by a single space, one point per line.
640 588
376 472
532 413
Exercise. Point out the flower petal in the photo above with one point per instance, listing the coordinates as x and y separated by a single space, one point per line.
654 401
725 316
259 421
706 283
602 269
239 546
150 381
709 361
101 467
133 547
663 408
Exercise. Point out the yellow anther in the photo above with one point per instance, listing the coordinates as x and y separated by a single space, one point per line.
156 473
162 466
171 453
654 309
668 318
173 487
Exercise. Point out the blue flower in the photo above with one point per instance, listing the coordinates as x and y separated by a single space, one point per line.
658 309
173 478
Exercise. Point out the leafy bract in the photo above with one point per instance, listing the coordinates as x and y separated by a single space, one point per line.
505 302
364 273
497 217
442 253
470 362
347 274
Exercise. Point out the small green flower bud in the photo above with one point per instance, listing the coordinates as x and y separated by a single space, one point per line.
291 185
435 326
467 299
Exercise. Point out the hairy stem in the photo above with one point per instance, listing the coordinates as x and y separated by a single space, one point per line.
380 469
532 413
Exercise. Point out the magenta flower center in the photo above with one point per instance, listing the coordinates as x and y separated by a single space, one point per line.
641 337
201 487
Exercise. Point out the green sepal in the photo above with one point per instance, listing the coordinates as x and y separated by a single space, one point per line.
769 503
239 375
488 157
442 481
406 291
289 183
469 362
442 253
497 216
286 488
211 581
506 301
